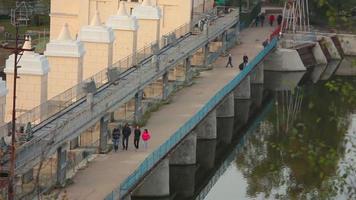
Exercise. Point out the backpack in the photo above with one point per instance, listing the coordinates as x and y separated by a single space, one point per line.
241 66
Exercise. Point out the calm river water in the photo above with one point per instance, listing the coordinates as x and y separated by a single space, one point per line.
304 148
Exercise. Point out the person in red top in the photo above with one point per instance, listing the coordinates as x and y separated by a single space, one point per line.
145 137
271 19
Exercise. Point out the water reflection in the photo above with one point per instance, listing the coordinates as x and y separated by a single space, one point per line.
304 149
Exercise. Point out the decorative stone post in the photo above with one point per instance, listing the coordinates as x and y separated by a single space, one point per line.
32 85
125 30
65 56
98 42
149 17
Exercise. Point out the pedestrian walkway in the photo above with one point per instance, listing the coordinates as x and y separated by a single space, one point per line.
107 171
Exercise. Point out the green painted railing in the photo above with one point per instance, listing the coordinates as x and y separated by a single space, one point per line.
132 180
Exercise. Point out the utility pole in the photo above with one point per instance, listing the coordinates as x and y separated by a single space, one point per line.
18 52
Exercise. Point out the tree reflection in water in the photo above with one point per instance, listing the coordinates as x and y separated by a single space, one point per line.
303 149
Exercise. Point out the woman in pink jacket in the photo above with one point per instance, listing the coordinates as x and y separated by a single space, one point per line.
145 137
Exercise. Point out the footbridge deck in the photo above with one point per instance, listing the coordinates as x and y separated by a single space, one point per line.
73 120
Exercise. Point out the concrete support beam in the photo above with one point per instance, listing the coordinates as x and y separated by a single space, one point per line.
256 95
284 60
206 150
242 112
104 132
206 129
185 152
225 119
321 60
257 76
243 90
138 106
61 165
182 180
156 184
226 107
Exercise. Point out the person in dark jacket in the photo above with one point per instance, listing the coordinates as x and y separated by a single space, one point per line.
245 59
257 19
137 133
279 20
126 132
262 19
116 138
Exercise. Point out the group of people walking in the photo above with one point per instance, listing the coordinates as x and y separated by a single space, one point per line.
241 66
260 19
126 132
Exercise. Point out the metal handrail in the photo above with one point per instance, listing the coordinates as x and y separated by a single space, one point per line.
63 100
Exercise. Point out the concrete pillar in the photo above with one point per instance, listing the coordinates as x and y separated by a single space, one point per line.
206 129
243 90
31 84
242 112
65 57
165 89
225 119
321 60
335 57
156 184
188 73
257 76
182 180
125 31
98 43
149 18
3 93
138 106
206 153
226 107
256 95
185 152
104 132
61 165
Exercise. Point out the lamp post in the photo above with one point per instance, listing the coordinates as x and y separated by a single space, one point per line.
18 52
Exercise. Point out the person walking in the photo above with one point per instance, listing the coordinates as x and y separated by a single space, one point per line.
262 19
245 60
126 132
257 19
145 137
279 20
116 138
271 20
229 62
137 136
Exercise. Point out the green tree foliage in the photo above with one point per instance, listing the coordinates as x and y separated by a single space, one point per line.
336 12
